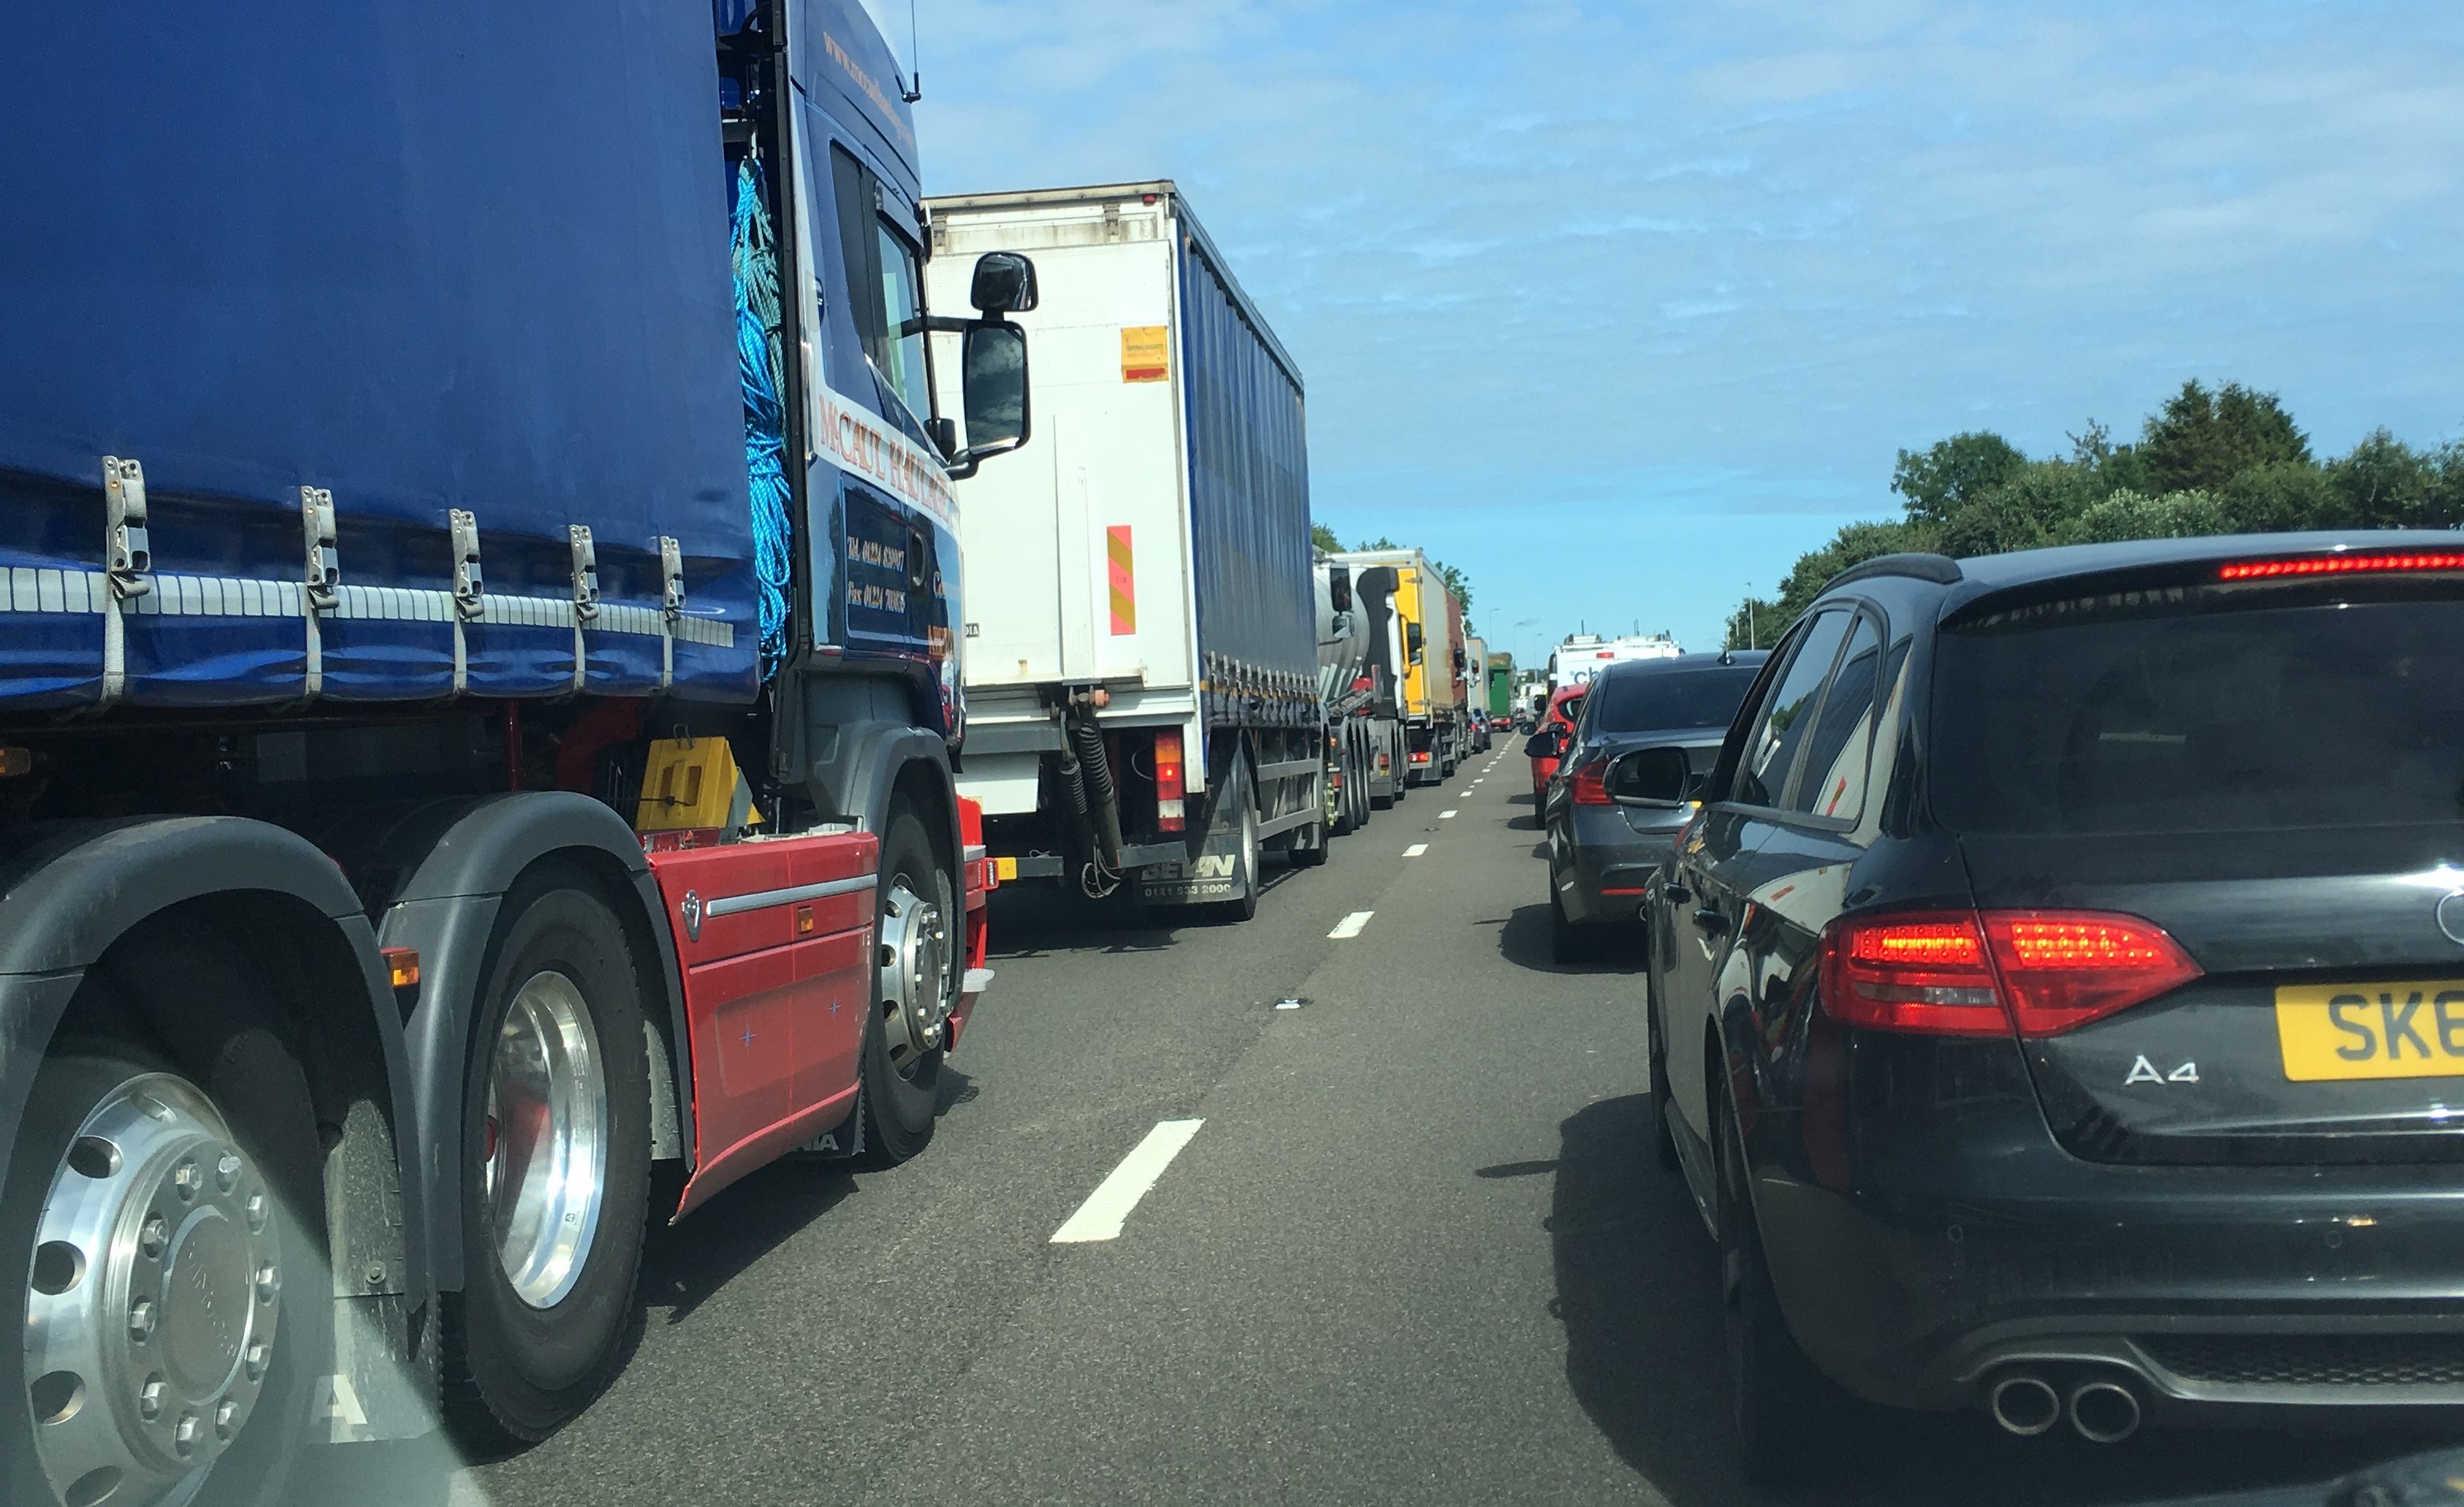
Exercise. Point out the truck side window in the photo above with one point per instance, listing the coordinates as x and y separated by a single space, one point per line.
900 357
883 283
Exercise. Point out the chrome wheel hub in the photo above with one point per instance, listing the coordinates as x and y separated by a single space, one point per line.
153 1298
914 975
544 1141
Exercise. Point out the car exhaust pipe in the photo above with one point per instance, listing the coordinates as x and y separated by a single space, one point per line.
2104 1410
2024 1403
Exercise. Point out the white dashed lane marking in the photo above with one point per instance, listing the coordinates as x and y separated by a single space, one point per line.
1415 850
1350 925
1443 815
1100 1218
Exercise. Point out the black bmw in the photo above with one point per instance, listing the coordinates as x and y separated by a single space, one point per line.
1609 817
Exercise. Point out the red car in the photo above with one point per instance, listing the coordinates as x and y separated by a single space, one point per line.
1556 728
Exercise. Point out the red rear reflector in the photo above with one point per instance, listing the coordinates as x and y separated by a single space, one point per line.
2037 973
2339 565
1588 785
1172 783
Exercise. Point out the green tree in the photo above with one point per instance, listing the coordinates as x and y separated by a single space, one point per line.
2386 484
1322 537
1455 582
2024 510
2114 467
2281 495
2135 516
1382 543
1853 545
2200 440
1938 481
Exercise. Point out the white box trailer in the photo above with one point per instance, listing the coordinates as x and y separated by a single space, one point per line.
1139 659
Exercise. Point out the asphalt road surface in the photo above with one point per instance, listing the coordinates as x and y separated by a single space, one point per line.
1416 1250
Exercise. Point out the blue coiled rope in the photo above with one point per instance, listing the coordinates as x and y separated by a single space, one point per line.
757 359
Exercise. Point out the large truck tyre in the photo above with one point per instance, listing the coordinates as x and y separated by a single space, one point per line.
556 1183
1241 794
1311 842
163 1225
918 979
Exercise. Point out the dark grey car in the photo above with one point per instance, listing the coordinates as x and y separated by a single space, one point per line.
1610 812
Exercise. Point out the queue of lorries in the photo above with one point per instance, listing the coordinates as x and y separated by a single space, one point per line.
523 652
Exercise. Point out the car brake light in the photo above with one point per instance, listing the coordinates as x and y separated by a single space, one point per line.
2036 972
1588 785
2339 564
1172 787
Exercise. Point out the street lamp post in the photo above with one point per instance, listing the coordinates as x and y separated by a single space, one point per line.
1749 616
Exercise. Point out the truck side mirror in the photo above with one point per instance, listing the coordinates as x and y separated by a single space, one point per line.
992 383
1412 641
1005 283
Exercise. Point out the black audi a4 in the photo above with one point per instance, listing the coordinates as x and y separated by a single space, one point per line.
2059 1000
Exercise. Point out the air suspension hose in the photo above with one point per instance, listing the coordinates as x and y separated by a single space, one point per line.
1102 794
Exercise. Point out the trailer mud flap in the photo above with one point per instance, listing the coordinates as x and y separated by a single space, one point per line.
1211 874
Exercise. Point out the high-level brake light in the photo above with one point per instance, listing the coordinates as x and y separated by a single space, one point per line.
1172 786
2037 973
2342 565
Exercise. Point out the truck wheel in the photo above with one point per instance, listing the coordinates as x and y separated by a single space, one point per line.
1357 784
556 1176
916 986
1310 843
165 1225
1243 792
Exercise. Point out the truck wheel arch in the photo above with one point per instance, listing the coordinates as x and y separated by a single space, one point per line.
74 896
453 863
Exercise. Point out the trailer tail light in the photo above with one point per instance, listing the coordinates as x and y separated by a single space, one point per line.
1172 783
1420 757
1588 785
2036 972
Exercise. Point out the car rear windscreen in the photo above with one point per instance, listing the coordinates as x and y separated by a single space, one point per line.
2204 710
1649 700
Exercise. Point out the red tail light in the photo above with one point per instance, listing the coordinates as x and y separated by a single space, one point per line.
2036 973
1588 785
1172 786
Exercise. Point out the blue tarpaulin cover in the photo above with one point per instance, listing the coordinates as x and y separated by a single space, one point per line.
427 254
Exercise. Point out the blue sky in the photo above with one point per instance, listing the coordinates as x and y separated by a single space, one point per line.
1621 307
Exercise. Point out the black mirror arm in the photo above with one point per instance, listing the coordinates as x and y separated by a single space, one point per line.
948 324
964 464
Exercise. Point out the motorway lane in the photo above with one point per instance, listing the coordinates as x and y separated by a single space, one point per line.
1418 1250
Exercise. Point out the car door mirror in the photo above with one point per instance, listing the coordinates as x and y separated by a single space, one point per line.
1547 743
992 382
1651 776
1005 283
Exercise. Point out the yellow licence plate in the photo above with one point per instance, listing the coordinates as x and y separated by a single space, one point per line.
2408 1029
